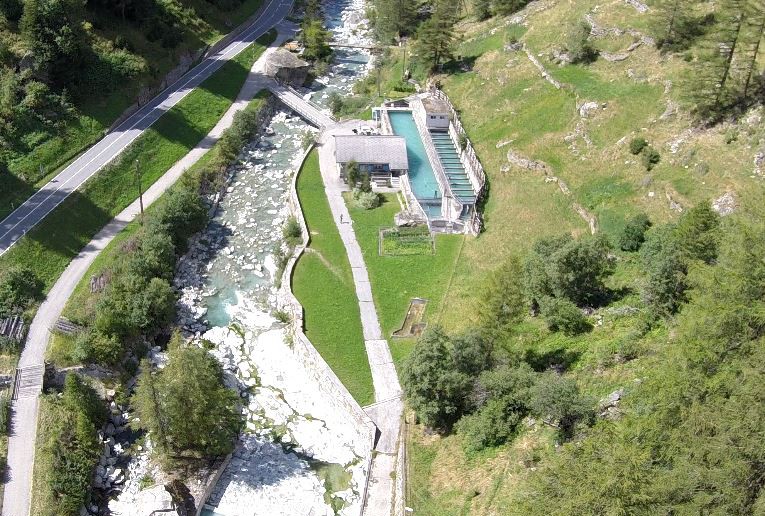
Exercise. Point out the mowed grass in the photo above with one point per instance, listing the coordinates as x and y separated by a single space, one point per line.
323 283
397 279
65 231
82 303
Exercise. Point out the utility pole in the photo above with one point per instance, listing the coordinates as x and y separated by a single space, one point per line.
138 182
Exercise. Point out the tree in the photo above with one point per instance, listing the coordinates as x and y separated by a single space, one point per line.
132 305
633 234
507 392
578 45
563 315
155 256
393 18
697 233
502 303
676 24
507 7
19 287
11 9
434 386
436 37
472 353
315 39
482 9
571 269
182 215
557 399
186 406
665 283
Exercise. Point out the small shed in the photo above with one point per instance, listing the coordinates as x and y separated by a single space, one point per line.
375 154
437 114
285 66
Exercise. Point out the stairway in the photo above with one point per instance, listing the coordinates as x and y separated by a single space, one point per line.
455 172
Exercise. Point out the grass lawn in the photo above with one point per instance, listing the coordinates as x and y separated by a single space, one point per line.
58 238
397 279
80 307
204 24
323 283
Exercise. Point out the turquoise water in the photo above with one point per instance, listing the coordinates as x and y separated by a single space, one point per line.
421 176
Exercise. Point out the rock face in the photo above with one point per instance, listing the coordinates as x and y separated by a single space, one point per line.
725 204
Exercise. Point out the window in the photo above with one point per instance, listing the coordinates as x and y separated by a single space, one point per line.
432 117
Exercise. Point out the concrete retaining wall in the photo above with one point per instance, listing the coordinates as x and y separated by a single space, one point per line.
306 352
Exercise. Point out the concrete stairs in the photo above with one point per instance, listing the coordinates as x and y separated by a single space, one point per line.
455 172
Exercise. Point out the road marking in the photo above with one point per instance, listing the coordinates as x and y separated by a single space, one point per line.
178 94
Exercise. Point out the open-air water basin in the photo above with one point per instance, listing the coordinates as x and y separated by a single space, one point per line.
421 176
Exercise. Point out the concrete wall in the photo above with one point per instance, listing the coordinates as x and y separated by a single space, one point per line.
306 352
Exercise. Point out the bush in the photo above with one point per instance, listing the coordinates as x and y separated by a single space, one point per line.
291 231
563 315
698 233
131 306
637 145
181 215
578 43
5 411
335 103
557 400
650 157
19 288
92 346
633 234
472 353
366 200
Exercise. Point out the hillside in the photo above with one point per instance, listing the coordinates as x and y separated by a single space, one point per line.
69 69
556 148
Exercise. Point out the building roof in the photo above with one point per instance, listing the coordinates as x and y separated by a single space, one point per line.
434 105
377 149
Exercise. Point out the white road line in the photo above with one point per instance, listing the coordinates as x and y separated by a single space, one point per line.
175 96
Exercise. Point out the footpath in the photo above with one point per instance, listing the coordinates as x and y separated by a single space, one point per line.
384 496
24 408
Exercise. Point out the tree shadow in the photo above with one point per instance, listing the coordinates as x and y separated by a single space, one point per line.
13 192
559 359
257 463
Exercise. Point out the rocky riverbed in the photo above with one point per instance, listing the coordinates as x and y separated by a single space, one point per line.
302 452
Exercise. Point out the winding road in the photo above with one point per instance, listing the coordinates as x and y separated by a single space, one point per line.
24 407
45 200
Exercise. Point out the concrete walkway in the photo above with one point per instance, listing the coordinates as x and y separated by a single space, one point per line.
23 426
387 410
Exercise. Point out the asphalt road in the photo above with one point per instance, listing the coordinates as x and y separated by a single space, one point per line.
45 200
24 409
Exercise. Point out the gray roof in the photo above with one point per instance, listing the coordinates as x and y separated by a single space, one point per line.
382 149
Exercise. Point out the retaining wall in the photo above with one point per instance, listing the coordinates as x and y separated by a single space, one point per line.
329 383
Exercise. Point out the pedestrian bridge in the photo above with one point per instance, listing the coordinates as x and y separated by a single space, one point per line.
309 111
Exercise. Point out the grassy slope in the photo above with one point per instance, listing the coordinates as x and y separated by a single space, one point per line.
42 498
81 304
56 240
397 279
204 25
517 104
323 283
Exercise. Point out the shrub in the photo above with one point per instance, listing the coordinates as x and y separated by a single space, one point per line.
697 233
335 103
353 173
650 157
472 353
563 315
5 411
181 215
366 200
557 400
291 231
131 305
19 287
93 346
633 234
637 145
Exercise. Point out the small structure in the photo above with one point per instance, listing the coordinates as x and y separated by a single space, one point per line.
437 114
284 66
383 157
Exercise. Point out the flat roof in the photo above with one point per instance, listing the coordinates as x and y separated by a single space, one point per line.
434 105
375 149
